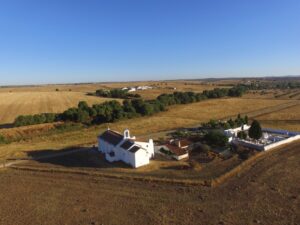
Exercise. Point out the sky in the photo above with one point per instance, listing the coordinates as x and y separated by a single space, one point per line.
70 41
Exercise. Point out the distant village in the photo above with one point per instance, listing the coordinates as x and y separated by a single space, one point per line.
136 88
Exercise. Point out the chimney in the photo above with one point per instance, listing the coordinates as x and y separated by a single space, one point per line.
179 145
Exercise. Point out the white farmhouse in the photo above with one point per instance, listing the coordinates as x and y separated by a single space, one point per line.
118 147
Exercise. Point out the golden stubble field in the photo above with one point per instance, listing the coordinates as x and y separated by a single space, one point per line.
13 104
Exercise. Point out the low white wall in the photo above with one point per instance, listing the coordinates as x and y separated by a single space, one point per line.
248 144
282 132
181 156
285 141
266 147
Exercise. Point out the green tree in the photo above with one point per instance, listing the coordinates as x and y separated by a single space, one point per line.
216 138
246 119
242 135
231 123
255 131
83 116
82 105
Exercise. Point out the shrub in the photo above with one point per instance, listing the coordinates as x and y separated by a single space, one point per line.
83 116
3 140
242 135
216 138
35 119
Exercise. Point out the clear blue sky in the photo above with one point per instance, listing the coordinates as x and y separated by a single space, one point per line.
55 41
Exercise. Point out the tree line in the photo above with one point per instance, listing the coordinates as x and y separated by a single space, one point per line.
231 123
112 111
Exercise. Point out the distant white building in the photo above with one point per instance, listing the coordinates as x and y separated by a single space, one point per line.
118 147
137 88
143 87
132 89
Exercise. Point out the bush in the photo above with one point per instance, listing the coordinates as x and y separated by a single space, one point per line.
216 138
35 119
162 150
3 140
242 135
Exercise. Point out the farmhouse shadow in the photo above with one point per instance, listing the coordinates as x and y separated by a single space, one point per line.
81 157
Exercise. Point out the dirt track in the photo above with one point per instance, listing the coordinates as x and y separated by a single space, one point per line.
267 193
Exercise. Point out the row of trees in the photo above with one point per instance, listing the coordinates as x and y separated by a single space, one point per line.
270 85
116 93
112 111
35 119
231 123
254 132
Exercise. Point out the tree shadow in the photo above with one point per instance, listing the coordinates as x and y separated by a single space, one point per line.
6 125
76 158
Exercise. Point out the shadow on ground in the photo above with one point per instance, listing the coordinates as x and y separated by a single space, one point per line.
6 125
81 157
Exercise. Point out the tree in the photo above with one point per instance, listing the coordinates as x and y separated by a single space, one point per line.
82 105
83 116
212 123
226 126
216 138
231 123
255 131
242 135
245 119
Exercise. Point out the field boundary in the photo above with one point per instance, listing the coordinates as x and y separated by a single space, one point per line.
116 176
267 113
246 165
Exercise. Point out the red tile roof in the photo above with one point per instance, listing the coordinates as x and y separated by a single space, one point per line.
176 150
185 143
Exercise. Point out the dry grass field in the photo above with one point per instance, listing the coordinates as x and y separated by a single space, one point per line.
259 195
13 104
288 119
274 94
291 113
